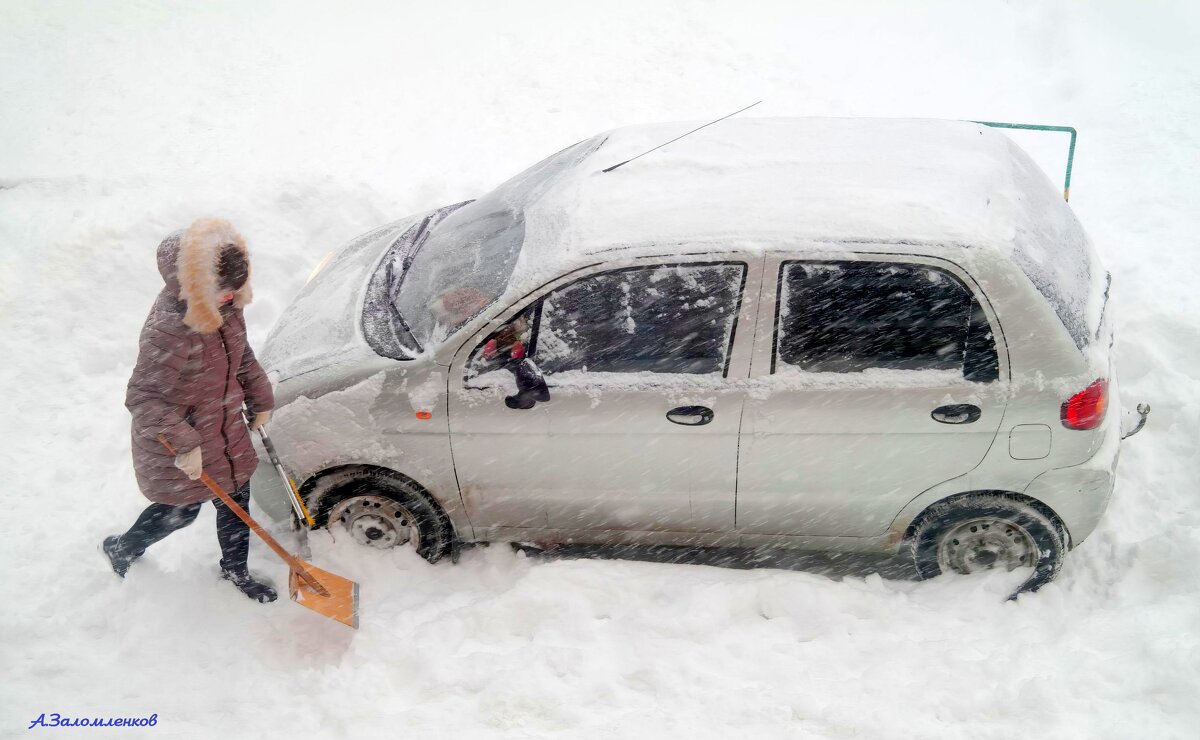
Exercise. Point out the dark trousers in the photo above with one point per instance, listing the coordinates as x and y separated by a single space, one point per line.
160 520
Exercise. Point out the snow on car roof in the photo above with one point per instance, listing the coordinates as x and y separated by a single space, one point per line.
780 182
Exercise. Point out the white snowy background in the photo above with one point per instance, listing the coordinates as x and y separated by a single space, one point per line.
308 123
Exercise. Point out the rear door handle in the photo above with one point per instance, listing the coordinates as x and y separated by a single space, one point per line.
690 416
958 413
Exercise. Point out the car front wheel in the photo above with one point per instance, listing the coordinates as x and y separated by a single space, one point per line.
385 511
984 531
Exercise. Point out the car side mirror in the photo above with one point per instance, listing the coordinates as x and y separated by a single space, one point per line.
531 385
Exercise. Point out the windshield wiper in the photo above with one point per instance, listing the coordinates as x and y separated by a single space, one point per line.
395 312
1104 305
411 247
392 280
418 241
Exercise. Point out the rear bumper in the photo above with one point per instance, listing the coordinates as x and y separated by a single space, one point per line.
1079 494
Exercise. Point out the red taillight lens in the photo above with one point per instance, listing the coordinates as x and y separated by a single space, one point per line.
1085 409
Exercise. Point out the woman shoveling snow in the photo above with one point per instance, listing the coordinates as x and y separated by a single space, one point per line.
194 372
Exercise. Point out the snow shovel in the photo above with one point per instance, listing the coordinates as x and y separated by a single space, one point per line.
303 521
326 593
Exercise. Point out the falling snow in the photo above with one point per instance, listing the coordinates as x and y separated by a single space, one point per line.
307 124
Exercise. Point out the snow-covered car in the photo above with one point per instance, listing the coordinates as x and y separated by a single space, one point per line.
836 334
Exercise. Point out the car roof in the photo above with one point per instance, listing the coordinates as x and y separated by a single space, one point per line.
789 183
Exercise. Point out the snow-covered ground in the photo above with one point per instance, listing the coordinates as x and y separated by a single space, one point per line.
309 123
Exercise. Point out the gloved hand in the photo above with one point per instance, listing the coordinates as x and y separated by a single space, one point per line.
262 417
189 463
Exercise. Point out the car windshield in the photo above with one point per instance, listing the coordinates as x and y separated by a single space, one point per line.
463 260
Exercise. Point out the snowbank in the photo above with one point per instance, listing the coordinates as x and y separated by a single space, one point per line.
309 124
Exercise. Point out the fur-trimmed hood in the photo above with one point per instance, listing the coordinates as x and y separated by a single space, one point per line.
195 372
187 261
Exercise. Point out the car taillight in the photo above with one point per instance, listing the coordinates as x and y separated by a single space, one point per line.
1085 409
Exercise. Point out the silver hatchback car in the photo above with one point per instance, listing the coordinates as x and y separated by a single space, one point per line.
833 334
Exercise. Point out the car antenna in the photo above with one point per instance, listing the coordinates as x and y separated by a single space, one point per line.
677 138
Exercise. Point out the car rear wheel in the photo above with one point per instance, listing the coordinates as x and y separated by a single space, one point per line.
386 511
984 531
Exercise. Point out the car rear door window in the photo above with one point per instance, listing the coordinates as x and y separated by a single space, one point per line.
851 316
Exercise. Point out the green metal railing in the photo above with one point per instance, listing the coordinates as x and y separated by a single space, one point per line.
1039 127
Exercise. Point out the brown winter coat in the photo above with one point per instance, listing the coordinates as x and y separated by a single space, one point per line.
193 372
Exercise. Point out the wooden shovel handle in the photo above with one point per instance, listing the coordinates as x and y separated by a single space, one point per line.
294 563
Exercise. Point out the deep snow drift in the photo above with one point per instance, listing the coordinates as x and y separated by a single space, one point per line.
307 125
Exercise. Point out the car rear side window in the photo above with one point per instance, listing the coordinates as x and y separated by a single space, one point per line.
850 316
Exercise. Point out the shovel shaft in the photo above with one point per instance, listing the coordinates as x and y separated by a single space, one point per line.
292 561
297 503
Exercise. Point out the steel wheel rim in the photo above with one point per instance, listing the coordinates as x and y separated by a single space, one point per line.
376 521
985 543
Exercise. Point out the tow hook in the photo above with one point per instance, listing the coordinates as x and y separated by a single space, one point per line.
1143 410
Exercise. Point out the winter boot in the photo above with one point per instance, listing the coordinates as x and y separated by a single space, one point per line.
257 590
117 557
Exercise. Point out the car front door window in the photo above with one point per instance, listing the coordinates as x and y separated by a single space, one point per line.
664 319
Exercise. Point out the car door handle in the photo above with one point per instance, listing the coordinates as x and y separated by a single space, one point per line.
690 416
958 413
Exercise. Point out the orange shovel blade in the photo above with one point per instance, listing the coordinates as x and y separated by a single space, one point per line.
342 602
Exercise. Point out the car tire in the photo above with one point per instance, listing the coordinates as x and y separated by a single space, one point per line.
981 531
385 510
